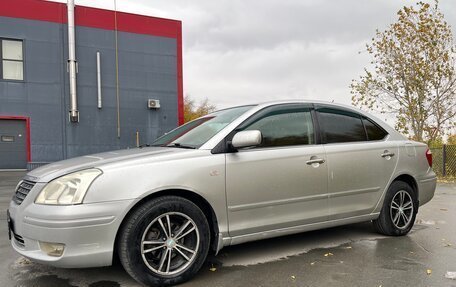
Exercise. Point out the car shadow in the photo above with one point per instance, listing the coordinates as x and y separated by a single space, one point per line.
27 273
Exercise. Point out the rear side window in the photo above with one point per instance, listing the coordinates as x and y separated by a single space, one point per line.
284 127
374 132
339 126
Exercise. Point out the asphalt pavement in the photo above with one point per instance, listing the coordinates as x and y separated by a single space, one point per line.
352 255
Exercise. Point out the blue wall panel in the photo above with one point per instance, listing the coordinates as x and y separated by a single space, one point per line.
147 70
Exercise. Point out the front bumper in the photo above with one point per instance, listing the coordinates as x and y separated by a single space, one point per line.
87 230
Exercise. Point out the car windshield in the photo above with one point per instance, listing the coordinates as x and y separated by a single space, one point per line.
197 132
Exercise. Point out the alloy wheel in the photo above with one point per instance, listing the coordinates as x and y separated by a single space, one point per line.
170 243
401 209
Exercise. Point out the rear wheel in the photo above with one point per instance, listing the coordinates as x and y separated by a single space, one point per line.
399 210
164 241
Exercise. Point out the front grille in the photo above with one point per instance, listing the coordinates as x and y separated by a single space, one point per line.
22 190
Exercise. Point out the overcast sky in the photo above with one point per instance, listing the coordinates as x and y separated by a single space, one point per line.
238 52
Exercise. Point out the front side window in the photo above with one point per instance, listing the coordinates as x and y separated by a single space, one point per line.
340 126
285 126
12 60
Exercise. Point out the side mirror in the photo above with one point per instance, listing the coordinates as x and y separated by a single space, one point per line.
247 139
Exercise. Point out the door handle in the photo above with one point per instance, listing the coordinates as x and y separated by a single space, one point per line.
317 160
387 154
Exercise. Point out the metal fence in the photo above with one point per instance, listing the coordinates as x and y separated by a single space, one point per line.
444 161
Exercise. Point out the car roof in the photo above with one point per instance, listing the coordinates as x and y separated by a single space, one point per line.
298 101
261 105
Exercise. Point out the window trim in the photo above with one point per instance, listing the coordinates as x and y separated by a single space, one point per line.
1 59
224 145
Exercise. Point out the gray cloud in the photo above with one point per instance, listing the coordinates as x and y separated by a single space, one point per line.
238 52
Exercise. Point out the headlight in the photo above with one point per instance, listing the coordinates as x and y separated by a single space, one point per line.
68 189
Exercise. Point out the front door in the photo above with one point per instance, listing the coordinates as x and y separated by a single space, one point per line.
13 144
281 183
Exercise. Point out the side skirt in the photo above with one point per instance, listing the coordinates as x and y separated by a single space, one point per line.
292 230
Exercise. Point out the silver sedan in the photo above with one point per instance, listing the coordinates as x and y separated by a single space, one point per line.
236 175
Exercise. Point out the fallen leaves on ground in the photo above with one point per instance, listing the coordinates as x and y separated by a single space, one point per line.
429 272
328 254
22 261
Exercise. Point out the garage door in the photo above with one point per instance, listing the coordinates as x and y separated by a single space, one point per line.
13 144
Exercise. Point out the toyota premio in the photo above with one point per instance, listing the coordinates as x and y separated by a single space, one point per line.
236 175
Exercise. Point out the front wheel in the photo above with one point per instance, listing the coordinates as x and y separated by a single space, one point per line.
164 241
399 210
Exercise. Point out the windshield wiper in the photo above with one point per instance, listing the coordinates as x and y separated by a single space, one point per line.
144 145
181 146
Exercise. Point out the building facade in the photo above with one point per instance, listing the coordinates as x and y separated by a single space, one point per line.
123 61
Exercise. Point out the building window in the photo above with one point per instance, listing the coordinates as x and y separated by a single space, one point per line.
12 60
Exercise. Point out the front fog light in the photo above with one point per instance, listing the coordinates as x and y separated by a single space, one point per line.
52 249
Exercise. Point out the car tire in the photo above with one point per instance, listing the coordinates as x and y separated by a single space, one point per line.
156 241
399 210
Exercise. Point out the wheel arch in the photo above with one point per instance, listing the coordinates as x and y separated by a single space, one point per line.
197 199
410 180
384 223
404 177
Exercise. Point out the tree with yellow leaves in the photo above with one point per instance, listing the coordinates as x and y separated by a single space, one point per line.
414 74
451 139
194 110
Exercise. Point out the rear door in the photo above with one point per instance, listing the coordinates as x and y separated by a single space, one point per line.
360 161
276 185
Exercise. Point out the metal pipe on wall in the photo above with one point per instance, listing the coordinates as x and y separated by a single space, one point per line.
99 79
117 69
72 63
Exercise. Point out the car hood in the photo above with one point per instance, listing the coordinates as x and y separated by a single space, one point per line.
56 169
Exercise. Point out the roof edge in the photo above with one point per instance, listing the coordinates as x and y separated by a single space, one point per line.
92 17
